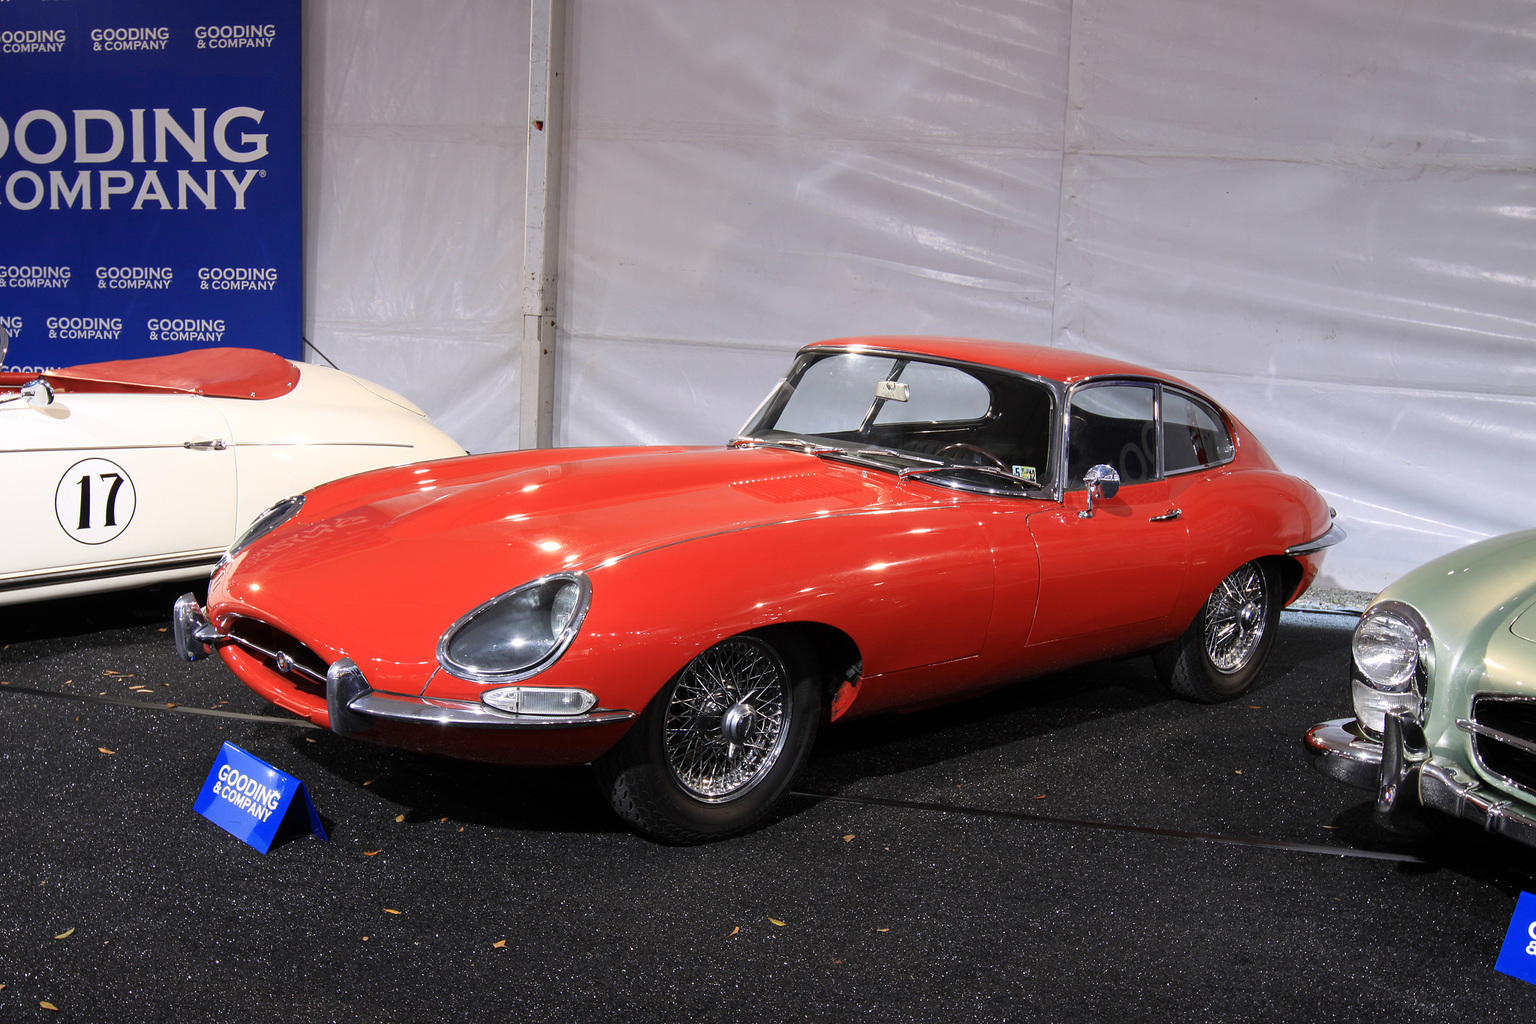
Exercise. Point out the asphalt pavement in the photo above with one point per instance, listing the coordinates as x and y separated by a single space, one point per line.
1076 847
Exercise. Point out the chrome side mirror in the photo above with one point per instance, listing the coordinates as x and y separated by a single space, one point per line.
38 393
1103 483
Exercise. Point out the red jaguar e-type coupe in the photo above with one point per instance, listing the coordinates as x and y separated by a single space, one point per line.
904 521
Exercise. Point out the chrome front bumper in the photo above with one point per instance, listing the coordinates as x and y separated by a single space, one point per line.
1400 765
352 704
1334 535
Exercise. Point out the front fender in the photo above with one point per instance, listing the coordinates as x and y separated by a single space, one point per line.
910 587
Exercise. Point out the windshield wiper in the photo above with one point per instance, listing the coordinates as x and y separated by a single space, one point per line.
868 455
950 467
794 444
897 453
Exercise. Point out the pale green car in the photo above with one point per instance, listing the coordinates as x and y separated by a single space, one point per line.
1443 669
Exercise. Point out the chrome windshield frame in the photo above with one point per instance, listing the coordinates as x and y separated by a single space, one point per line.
859 454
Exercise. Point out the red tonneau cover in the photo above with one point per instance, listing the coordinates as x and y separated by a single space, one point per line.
215 372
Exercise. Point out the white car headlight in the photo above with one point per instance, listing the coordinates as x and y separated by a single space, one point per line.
1392 657
519 633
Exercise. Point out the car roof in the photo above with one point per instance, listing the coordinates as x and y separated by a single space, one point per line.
1039 360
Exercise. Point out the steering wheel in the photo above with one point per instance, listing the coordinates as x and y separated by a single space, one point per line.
974 450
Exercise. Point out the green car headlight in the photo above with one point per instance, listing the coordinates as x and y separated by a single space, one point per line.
1392 655
519 633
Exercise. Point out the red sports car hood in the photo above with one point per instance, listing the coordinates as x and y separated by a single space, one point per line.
385 561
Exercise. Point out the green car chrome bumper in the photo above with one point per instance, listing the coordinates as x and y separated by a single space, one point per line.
1399 764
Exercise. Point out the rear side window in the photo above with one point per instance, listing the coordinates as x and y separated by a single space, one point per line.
1193 435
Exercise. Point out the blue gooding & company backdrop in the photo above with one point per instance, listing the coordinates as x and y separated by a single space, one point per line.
150 178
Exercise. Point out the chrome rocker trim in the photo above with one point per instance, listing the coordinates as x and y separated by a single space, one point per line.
1333 536
195 564
352 704
1401 765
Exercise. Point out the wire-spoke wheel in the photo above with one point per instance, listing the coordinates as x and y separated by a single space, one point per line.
1236 617
716 749
727 719
1223 650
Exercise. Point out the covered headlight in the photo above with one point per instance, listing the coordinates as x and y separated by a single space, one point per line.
265 523
1391 654
519 633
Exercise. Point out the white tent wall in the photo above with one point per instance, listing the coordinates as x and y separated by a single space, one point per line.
742 178
1317 211
415 153
1321 212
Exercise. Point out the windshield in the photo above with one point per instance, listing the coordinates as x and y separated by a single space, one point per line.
964 425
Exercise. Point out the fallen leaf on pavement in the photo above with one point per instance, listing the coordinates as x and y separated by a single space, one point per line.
776 921
45 1004
847 839
104 750
734 931
372 853
387 910
66 933
500 944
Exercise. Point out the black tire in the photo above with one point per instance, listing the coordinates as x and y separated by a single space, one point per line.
715 751
1224 649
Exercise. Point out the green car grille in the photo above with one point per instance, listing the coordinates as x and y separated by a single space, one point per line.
1512 754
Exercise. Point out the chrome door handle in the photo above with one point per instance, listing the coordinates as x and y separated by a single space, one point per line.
216 445
1172 513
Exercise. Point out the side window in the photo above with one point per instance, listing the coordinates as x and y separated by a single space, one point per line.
1112 424
1193 435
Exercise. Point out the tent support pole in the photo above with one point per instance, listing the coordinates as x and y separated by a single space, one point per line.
541 224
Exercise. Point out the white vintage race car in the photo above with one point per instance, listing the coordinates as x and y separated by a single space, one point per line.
143 470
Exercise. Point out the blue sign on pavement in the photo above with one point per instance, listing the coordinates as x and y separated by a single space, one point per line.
249 798
1518 957
150 178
